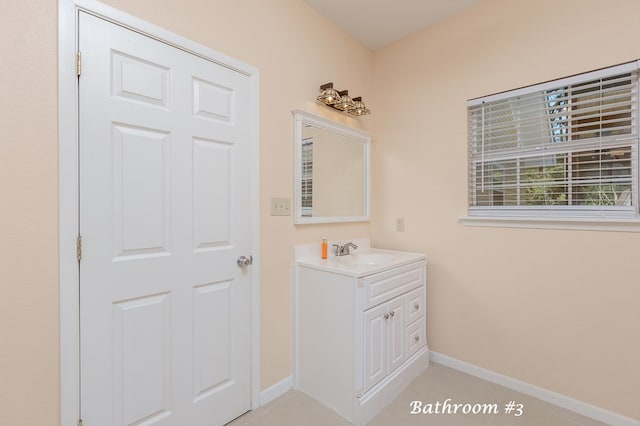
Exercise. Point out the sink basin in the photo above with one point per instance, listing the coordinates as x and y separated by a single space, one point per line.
367 259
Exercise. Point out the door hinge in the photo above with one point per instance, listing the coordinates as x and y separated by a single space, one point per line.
79 63
79 249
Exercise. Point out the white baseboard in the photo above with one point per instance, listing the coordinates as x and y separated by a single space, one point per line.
381 395
551 397
275 390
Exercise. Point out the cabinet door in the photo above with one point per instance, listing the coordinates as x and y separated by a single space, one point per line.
375 349
396 333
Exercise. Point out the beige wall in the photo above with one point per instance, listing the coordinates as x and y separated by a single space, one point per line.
295 49
558 309
28 213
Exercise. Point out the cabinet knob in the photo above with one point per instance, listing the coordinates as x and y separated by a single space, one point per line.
386 316
416 306
417 338
392 313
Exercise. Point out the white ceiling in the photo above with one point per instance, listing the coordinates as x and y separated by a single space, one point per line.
377 23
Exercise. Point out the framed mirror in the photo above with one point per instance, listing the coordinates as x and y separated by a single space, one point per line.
332 169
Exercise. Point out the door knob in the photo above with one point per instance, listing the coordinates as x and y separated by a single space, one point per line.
244 261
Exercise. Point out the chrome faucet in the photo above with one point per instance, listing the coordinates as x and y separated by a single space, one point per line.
343 250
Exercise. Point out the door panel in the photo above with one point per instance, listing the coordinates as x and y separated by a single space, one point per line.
396 334
375 345
140 80
212 325
213 101
141 370
140 194
164 159
211 209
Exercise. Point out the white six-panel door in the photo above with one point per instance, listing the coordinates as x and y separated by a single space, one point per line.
164 214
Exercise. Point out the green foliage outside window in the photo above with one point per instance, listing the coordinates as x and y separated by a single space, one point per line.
542 188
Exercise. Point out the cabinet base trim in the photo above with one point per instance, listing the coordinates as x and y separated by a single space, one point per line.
383 393
551 397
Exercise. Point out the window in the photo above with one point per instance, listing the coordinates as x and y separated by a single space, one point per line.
563 148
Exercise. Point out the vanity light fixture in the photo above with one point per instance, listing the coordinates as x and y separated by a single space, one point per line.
342 101
359 108
329 95
345 103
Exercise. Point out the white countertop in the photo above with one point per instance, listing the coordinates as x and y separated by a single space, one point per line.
361 262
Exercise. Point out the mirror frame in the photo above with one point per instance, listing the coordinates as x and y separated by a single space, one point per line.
302 118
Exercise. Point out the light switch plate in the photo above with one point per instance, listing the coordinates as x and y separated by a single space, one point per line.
280 206
400 224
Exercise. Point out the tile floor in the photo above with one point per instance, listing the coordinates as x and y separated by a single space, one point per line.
438 383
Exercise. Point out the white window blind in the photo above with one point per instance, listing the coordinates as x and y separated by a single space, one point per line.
566 147
306 180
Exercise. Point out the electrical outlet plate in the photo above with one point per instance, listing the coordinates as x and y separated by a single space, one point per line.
280 206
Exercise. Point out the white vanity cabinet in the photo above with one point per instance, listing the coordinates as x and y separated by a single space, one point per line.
360 332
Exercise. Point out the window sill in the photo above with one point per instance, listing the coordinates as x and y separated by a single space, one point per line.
565 223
